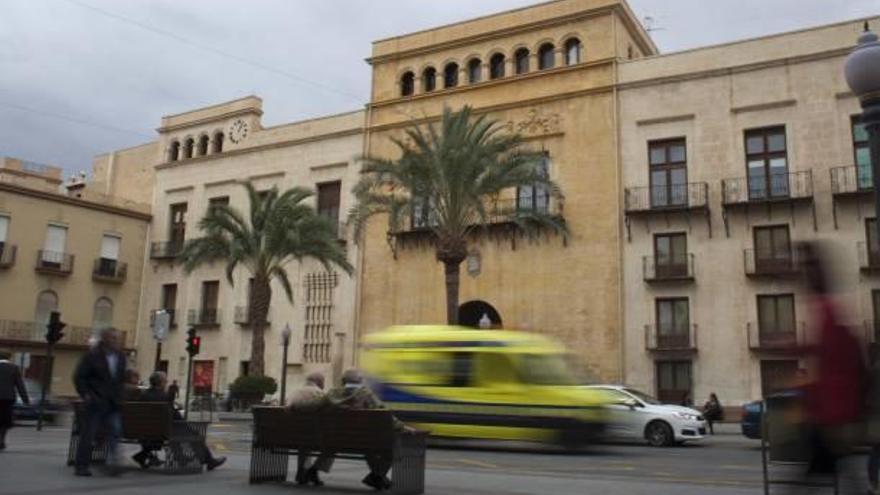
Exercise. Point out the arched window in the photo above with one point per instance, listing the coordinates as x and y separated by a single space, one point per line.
173 151
203 145
188 148
475 71
218 143
103 314
450 75
521 60
429 79
47 301
573 51
545 56
496 66
407 84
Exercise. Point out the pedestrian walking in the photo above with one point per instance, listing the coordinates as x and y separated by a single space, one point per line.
353 394
10 385
310 397
174 391
100 382
713 412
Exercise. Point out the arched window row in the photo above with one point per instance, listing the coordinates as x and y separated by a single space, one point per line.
204 144
471 72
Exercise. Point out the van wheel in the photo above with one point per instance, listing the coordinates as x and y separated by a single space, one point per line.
659 434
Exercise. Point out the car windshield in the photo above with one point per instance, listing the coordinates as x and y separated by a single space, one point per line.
545 369
647 399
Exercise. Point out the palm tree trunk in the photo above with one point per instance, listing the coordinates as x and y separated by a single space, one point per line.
260 299
452 269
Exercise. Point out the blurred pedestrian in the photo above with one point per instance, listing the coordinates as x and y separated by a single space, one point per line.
132 388
310 397
353 394
10 385
174 391
713 412
100 382
835 399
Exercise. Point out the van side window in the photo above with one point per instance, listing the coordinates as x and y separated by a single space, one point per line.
462 365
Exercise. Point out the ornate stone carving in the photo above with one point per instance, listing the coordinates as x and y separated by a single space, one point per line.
536 123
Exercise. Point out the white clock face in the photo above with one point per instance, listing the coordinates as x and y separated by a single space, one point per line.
238 131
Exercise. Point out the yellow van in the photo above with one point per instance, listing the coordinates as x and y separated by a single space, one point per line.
486 384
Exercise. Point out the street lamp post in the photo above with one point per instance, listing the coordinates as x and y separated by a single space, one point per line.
862 72
285 342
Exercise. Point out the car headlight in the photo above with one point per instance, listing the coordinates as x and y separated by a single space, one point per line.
687 416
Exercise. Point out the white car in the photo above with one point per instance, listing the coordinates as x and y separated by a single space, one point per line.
637 415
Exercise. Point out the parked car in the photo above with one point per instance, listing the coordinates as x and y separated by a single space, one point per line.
636 415
751 420
30 412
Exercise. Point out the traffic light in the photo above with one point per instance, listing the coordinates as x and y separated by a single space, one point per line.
193 342
54 328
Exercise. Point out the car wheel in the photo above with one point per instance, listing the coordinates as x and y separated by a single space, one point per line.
659 434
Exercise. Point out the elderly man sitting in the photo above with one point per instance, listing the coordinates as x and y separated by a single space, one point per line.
310 397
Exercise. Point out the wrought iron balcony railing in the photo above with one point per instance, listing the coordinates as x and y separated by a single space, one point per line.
244 315
205 317
54 263
673 197
776 338
166 250
659 338
668 270
869 258
778 264
498 211
108 270
763 189
7 254
851 180
33 332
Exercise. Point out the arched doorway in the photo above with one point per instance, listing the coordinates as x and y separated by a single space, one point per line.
470 313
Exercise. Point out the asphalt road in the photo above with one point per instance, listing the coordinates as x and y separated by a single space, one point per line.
724 464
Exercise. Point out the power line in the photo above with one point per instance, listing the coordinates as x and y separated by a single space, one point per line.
208 48
76 120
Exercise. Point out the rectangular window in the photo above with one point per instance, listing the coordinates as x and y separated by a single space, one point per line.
109 255
862 154
667 163
535 197
871 242
772 249
218 201
53 246
210 294
177 225
329 195
462 364
777 375
767 163
169 301
670 255
875 300
776 319
4 228
423 214
673 321
674 382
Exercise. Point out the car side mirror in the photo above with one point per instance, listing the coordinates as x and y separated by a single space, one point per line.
630 403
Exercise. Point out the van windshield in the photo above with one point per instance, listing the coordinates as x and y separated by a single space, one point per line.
545 369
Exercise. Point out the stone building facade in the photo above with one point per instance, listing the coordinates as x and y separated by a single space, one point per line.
65 249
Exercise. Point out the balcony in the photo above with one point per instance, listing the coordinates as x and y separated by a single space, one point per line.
869 259
661 199
679 270
7 255
172 314
54 263
851 181
779 265
166 250
788 189
205 317
32 333
776 340
108 270
243 316
682 341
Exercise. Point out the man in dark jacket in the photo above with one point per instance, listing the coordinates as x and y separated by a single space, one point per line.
10 384
100 382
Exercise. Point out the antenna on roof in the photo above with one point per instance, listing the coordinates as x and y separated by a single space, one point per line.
648 22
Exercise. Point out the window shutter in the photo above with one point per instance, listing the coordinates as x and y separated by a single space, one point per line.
55 239
110 247
4 227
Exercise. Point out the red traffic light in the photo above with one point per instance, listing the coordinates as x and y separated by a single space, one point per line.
196 341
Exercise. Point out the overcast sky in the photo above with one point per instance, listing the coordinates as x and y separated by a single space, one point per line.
81 77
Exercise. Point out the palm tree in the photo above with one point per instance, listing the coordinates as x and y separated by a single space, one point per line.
446 180
280 229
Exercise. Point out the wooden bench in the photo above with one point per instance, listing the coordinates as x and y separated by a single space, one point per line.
148 422
348 434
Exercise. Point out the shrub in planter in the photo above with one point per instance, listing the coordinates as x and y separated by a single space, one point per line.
250 390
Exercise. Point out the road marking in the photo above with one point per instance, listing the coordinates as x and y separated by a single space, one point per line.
478 463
